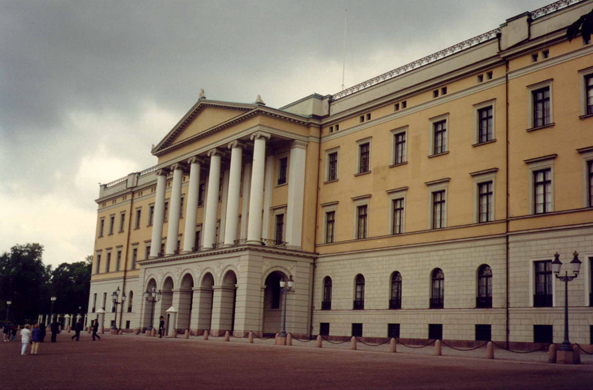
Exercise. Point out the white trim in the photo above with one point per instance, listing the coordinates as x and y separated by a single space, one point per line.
359 143
435 188
357 203
537 166
586 158
327 153
432 121
479 179
275 213
394 133
277 159
401 194
478 107
328 209
530 90
583 73
532 280
587 280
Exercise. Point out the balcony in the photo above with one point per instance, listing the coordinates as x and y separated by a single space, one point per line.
395 303
326 305
483 302
358 304
542 300
437 303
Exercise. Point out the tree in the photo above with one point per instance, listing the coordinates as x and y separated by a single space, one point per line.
585 25
24 281
70 283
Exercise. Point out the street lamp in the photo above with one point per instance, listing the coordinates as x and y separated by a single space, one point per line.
285 287
51 313
114 297
8 303
152 296
557 267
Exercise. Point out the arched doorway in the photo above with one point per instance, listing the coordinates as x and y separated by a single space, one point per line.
185 302
272 321
228 302
148 314
166 302
204 303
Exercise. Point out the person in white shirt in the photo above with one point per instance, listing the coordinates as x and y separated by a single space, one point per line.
25 339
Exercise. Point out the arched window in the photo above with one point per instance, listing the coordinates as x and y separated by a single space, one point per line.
327 294
359 293
395 302
438 289
484 298
130 301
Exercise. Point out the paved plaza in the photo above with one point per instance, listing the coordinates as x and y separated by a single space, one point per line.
138 362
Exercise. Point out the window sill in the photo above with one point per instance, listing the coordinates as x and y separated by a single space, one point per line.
362 173
541 127
330 181
281 185
398 164
582 117
484 143
149 225
110 234
101 236
438 154
137 228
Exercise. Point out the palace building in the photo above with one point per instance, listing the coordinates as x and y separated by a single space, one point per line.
428 202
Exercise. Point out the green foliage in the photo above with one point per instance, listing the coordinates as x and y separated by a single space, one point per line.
584 24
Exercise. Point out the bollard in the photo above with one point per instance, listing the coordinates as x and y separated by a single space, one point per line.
153 332
187 333
392 346
552 354
489 350
250 337
319 343
147 333
206 335
353 343
438 348
227 336
289 339
576 357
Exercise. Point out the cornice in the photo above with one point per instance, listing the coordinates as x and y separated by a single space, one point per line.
553 61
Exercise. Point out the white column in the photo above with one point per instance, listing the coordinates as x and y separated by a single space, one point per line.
209 228
245 205
192 205
269 188
159 213
174 210
224 188
296 194
257 187
232 209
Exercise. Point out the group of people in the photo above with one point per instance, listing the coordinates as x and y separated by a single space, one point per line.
9 331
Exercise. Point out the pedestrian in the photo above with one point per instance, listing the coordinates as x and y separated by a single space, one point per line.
36 338
42 331
77 329
25 339
95 327
55 329
6 331
161 326
14 330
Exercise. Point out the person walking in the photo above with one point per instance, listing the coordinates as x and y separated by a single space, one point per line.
14 330
55 329
25 339
77 330
36 338
95 327
161 326
42 331
6 331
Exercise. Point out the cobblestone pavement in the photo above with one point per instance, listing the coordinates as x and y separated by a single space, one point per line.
138 362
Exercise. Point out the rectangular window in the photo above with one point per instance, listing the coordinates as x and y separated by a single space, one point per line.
98 269
104 301
150 214
404 104
485 124
364 156
440 137
127 324
134 257
94 302
181 207
332 168
122 220
162 253
542 191
279 228
444 91
197 240
357 330
118 261
435 331
541 107
147 253
485 205
400 148
324 329
138 218
543 284
589 94
108 264
282 169
398 216
201 194
101 227
393 331
483 332
111 224
362 222
166 217
396 107
330 221
543 334
438 209
590 175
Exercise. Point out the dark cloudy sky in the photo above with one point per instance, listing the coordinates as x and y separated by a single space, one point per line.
87 86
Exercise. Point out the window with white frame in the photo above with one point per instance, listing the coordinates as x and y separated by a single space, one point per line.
437 215
587 155
282 170
134 256
329 222
361 217
399 145
150 214
586 81
279 219
484 184
541 112
364 156
111 223
98 262
397 214
138 218
439 127
101 226
166 216
541 184
331 165
484 122
122 220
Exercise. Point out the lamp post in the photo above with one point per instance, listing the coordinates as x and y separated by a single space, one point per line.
114 298
557 267
285 287
51 313
152 296
8 303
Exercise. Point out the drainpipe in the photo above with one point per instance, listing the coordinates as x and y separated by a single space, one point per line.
121 312
507 201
